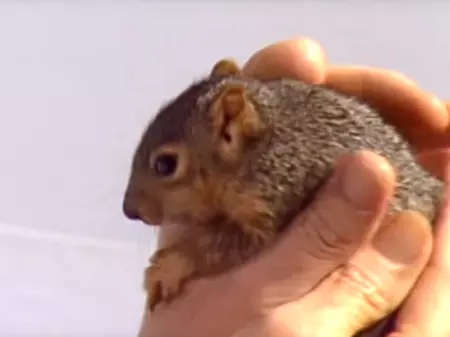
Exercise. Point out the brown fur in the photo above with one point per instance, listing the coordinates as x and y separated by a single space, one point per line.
250 155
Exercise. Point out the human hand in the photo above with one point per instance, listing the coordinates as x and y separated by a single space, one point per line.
206 310
424 121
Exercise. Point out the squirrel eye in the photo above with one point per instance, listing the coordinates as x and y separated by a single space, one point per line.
165 164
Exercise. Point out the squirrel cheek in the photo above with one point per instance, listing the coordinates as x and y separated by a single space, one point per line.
186 206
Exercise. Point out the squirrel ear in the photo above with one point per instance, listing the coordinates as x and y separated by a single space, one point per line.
236 120
225 67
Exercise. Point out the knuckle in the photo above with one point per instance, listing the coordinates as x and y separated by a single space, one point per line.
324 235
364 287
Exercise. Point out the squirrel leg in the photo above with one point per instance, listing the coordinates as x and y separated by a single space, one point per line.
170 269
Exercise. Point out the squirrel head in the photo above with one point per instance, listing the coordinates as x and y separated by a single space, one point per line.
189 158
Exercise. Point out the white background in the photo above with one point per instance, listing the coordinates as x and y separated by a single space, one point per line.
78 84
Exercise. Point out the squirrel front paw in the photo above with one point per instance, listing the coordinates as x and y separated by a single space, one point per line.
167 275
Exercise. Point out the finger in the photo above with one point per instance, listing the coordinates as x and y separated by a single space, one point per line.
436 161
344 214
441 253
387 270
302 59
426 311
401 101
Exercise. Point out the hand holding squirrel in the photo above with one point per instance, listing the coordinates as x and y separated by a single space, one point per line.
306 245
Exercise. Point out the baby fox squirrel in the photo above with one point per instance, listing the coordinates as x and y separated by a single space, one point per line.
235 159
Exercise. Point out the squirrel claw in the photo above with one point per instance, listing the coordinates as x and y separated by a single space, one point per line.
166 277
154 296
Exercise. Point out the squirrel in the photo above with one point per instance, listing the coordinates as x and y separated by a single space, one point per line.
235 159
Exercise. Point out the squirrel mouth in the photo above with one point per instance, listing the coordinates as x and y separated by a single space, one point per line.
150 221
153 224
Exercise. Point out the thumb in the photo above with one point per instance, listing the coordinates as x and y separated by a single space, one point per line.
345 212
376 279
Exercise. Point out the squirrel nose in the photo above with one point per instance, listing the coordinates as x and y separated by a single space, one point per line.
130 211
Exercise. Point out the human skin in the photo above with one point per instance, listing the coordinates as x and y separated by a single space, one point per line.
338 256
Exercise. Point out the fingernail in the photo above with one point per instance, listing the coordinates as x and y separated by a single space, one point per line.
403 237
362 185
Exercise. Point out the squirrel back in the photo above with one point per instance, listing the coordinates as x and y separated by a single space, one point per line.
310 127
